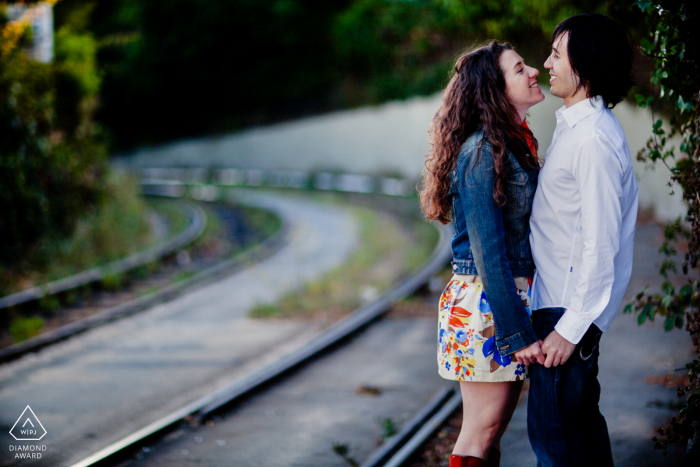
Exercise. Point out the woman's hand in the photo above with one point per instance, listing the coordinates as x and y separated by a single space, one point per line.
531 354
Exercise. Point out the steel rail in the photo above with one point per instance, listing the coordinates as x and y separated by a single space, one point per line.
392 444
425 431
226 396
197 223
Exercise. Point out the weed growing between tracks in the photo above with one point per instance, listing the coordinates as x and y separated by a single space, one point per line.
389 248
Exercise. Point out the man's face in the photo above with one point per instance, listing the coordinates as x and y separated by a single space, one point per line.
563 81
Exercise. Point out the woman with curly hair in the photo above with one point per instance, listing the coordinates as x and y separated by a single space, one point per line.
481 173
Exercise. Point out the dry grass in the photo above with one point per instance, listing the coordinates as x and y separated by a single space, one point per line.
390 248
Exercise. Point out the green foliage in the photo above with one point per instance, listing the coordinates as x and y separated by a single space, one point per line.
112 282
25 328
673 48
49 302
51 163
197 66
116 227
393 49
265 310
388 428
188 67
77 79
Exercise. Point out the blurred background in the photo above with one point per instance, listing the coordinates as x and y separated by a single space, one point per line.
100 100
119 75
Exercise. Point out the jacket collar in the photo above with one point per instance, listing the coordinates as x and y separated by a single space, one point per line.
580 110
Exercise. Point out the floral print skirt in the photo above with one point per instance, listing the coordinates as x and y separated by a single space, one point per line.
467 334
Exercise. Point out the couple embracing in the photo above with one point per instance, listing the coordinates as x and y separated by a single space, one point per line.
542 253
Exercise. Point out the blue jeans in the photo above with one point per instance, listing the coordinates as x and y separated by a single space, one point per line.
564 423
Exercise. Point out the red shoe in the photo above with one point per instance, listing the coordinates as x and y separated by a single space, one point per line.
466 461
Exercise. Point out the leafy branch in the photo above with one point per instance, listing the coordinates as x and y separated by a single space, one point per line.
677 75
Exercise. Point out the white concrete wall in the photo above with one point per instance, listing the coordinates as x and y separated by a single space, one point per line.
386 139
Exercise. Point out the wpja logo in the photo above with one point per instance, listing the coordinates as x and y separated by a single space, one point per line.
28 428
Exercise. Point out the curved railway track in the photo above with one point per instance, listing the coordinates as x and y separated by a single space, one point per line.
191 233
208 406
197 221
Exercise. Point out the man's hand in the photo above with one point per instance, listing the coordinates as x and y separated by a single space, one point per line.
556 349
530 354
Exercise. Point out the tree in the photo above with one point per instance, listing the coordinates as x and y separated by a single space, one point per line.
673 46
51 163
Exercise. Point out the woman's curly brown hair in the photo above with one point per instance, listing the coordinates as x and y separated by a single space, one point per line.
475 98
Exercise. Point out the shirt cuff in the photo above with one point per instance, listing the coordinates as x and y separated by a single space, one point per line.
571 327
517 341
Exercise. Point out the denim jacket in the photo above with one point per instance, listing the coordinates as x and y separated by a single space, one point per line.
493 241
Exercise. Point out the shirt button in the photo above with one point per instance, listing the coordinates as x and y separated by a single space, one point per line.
504 347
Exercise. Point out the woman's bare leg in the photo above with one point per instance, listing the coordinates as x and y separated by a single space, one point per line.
488 408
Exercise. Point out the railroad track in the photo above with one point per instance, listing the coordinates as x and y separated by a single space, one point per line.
197 221
191 233
208 406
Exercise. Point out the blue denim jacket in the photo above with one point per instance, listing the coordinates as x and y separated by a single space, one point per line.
492 241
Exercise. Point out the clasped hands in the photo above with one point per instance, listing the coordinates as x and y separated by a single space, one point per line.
554 351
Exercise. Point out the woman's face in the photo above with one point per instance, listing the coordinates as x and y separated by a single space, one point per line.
521 83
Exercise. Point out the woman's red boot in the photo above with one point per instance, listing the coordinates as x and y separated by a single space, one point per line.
466 461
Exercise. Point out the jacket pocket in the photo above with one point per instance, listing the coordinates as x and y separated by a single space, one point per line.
516 193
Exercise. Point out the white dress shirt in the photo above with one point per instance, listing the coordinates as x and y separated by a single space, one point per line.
583 220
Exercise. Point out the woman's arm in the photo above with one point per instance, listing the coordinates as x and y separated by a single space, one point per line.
486 232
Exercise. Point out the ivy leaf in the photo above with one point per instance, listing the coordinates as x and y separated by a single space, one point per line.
641 101
683 106
679 321
641 317
669 323
644 5
666 301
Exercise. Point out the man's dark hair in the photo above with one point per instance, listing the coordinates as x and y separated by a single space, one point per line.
600 53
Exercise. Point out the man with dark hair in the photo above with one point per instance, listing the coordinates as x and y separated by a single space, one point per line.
582 237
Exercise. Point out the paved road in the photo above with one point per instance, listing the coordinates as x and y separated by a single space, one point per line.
100 386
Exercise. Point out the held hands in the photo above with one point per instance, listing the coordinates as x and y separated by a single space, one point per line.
556 349
530 354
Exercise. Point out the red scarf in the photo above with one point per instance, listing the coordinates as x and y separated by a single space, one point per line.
529 140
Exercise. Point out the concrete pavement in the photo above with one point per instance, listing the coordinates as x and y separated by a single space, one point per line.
628 355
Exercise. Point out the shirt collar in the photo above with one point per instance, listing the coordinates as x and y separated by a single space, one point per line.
580 110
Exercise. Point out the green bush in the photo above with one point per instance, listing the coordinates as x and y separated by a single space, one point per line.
25 328
51 162
113 229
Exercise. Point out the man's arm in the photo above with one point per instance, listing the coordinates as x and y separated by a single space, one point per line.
598 172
